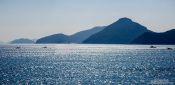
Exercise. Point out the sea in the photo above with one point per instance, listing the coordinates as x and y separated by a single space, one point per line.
87 64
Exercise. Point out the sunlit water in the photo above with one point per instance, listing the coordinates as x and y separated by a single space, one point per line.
76 64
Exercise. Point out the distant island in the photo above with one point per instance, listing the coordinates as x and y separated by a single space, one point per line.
22 41
123 31
2 42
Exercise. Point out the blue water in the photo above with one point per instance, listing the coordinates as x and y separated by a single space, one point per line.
77 64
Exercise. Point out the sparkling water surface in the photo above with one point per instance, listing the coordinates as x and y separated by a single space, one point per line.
78 64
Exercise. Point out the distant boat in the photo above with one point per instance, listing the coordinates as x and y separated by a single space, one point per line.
18 47
169 48
44 47
152 46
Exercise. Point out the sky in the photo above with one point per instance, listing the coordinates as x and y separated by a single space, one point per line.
37 18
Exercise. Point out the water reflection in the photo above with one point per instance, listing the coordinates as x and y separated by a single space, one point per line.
86 64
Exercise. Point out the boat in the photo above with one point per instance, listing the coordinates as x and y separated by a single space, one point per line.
44 47
169 48
152 46
18 47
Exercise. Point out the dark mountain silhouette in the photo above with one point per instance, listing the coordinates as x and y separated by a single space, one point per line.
22 41
75 38
122 31
156 38
79 37
55 38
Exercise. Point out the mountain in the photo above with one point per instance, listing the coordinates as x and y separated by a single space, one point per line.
75 38
22 41
122 31
156 38
55 38
79 37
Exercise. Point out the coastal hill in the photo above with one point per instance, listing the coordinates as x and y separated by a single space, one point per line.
55 38
167 37
78 37
123 31
22 41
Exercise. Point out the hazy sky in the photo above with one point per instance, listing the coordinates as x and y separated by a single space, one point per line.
37 18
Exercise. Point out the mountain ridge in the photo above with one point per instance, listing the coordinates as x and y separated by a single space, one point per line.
74 38
54 38
156 38
22 41
122 31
